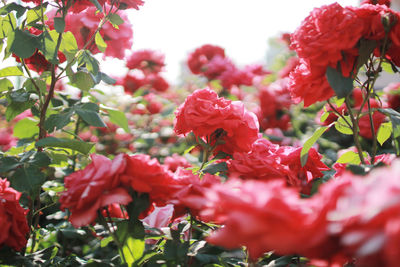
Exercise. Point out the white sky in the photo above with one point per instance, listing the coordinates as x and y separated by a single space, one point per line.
242 27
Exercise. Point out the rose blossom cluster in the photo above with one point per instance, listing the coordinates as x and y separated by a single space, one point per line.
351 219
145 67
330 37
211 62
104 184
14 226
267 161
219 122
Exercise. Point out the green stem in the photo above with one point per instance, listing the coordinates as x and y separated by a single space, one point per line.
355 130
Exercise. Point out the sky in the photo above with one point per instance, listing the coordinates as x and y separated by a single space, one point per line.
242 27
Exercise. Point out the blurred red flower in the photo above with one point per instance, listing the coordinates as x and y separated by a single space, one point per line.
14 226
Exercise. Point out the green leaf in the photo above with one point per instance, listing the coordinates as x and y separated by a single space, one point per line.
384 132
82 80
220 167
40 159
59 24
115 19
30 87
324 116
342 127
5 85
118 117
309 143
35 14
20 10
101 45
69 46
11 71
131 236
24 44
107 79
339 101
19 95
26 128
89 112
58 121
15 108
28 179
349 157
395 119
48 46
85 59
8 164
340 84
80 146
366 48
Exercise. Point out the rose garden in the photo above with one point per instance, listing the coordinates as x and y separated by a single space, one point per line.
294 165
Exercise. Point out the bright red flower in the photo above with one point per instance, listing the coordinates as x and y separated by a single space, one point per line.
14 226
175 161
377 2
132 83
148 61
392 95
309 84
96 186
147 175
198 60
325 33
190 191
157 82
209 116
274 102
371 15
83 25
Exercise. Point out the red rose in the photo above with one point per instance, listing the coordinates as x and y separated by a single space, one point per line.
146 60
83 25
325 33
309 84
96 186
274 102
198 60
147 175
157 82
175 161
14 226
392 95
209 116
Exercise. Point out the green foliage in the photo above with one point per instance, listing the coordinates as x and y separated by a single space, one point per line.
26 128
384 132
118 117
309 143
342 126
342 86
80 146
59 24
23 43
101 45
11 71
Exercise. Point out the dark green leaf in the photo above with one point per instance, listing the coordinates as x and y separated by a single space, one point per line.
48 44
24 44
220 167
116 19
30 86
8 164
80 146
15 108
395 119
366 48
58 121
11 71
59 24
26 128
340 84
19 95
28 179
309 143
20 10
107 79
41 159
89 112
